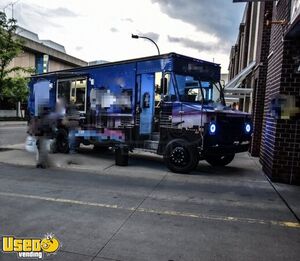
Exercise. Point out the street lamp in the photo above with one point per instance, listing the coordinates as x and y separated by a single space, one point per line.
135 36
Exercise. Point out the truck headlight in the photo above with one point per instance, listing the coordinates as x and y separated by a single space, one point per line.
247 128
212 128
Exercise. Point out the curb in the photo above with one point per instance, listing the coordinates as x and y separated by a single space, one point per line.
12 123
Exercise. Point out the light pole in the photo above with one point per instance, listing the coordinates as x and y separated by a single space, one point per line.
135 36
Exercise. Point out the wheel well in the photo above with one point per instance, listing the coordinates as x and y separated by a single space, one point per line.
168 134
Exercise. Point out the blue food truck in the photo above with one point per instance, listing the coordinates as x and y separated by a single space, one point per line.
169 104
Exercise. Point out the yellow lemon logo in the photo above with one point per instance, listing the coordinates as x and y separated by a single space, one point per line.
50 244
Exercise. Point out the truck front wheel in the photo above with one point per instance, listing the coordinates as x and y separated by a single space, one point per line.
220 160
180 157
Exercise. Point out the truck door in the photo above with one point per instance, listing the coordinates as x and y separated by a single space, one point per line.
146 103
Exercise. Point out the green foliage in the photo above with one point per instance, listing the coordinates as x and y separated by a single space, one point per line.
9 47
14 89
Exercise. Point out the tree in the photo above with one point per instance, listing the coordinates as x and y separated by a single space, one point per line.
16 90
10 47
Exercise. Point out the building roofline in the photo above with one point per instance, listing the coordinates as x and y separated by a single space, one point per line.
56 54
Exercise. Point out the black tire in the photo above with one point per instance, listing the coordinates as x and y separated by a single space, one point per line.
62 141
220 160
180 156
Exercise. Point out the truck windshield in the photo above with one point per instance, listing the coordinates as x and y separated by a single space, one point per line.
192 89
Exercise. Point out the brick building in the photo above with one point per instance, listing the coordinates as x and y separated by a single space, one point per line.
43 55
275 84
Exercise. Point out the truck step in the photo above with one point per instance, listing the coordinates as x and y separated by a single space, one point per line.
155 136
151 144
145 150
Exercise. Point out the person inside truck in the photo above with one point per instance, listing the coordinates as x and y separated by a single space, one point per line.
158 93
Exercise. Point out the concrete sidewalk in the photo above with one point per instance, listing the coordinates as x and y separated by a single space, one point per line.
89 161
12 123
100 211
86 159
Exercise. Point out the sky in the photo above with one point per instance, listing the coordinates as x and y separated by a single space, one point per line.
101 29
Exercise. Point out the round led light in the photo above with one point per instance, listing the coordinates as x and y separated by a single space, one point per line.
212 128
248 128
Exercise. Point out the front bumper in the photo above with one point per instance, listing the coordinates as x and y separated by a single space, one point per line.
227 149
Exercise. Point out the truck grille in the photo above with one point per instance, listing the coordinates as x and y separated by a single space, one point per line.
165 117
231 128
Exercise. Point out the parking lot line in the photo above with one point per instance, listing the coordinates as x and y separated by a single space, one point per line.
288 224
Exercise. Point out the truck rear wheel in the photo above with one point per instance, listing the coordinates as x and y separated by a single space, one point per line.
180 157
220 160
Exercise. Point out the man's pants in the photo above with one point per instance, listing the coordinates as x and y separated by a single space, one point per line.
42 153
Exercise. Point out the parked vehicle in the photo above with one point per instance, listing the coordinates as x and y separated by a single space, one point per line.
170 104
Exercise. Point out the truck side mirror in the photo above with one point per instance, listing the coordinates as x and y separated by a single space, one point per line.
164 85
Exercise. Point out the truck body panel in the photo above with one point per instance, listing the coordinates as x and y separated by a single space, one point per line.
168 97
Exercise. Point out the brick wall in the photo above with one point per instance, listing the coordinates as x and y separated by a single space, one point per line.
24 59
260 77
56 65
239 53
280 146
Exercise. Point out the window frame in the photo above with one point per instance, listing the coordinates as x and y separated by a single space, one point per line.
70 80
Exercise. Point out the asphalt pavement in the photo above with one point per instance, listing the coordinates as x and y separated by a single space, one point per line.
100 211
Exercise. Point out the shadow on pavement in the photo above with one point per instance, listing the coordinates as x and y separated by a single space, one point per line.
218 171
155 162
5 149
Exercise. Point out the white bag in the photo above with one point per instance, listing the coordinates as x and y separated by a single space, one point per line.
30 144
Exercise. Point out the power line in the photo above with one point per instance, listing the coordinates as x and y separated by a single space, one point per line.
12 4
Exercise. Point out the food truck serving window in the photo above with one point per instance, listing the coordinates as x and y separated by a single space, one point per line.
73 91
